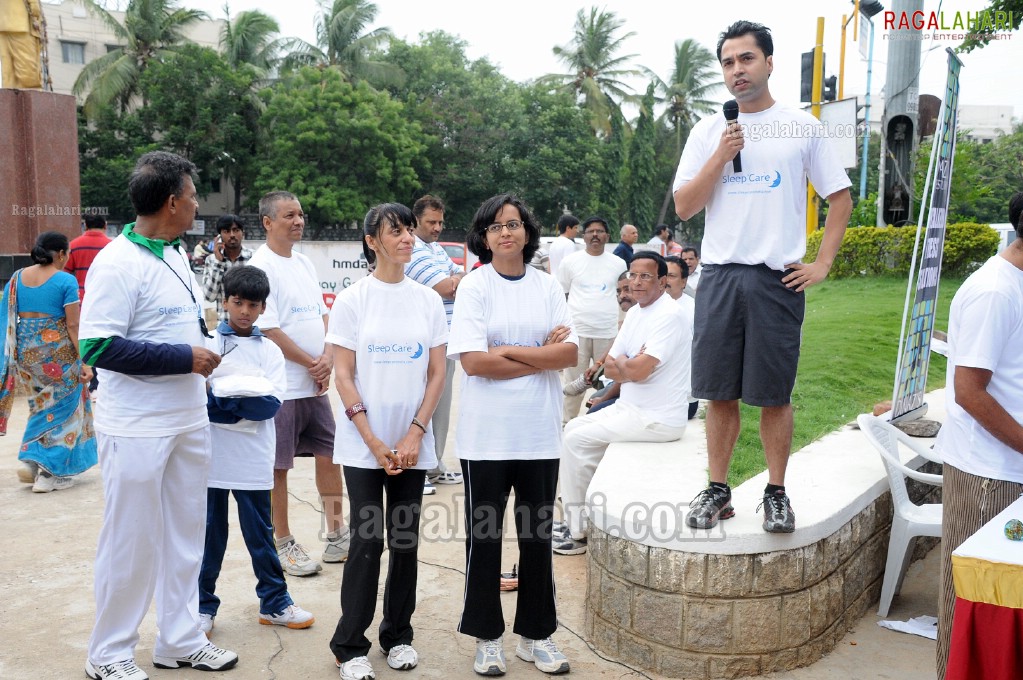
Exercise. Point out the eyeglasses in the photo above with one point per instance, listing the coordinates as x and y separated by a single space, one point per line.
633 276
513 225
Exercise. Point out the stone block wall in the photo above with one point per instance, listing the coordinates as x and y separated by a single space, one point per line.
702 616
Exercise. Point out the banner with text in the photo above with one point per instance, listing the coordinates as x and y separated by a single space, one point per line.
915 354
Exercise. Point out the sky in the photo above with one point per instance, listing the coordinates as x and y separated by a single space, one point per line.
518 37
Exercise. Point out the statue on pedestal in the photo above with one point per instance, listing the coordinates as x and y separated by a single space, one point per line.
21 43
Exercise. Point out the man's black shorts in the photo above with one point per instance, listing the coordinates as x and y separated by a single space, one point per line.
747 334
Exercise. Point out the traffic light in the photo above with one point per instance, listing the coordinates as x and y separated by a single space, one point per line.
830 85
870 7
806 77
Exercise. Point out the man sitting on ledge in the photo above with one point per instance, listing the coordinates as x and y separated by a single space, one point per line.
654 376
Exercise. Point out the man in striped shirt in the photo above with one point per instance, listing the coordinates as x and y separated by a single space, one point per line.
432 267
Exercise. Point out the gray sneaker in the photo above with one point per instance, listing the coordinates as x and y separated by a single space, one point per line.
45 483
295 560
490 657
708 507
778 515
544 654
336 549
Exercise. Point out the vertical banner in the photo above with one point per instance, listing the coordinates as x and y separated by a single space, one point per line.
915 353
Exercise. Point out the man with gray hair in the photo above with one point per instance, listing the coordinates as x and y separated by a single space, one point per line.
629 236
295 319
142 326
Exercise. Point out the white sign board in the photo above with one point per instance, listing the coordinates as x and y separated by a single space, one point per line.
338 264
839 120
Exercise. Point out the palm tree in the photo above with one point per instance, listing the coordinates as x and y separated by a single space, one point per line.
685 93
249 39
597 72
344 43
151 29
687 88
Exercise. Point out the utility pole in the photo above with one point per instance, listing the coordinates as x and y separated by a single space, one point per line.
899 125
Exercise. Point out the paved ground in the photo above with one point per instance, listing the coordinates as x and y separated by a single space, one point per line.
46 602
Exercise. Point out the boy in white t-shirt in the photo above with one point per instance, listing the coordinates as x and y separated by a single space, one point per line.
244 394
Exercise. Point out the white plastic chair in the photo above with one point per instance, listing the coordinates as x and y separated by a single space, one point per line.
909 519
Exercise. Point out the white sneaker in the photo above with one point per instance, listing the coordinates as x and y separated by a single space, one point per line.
205 624
209 658
544 654
293 617
428 488
45 483
122 670
490 657
295 560
357 669
27 471
446 477
402 657
336 549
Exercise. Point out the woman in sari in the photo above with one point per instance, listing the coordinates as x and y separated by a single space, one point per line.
40 314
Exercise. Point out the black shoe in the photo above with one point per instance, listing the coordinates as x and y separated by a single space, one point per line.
778 515
708 507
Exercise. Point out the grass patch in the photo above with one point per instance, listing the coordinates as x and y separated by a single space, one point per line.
846 364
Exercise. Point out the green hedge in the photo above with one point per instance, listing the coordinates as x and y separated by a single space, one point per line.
870 251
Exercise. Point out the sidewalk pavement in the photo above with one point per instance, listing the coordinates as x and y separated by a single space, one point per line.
47 607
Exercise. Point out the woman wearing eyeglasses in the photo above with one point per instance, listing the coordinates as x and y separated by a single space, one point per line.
389 334
510 331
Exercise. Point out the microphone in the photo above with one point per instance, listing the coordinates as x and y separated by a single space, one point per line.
731 111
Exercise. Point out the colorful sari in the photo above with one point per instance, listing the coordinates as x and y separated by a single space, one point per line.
59 436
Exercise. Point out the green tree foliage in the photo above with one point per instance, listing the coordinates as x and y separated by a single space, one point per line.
152 30
557 158
684 95
200 107
611 175
596 69
340 148
642 184
108 145
984 177
979 38
345 43
468 112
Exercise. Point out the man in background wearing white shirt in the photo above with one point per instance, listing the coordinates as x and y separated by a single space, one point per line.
564 244
295 319
588 278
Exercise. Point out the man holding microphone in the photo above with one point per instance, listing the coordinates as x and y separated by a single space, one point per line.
749 313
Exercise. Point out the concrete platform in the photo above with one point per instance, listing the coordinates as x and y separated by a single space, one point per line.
46 602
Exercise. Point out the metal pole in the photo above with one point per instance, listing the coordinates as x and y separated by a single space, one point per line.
815 109
841 63
866 114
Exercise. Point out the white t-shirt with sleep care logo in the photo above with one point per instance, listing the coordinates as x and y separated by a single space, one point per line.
758 216
520 418
296 307
144 299
391 327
